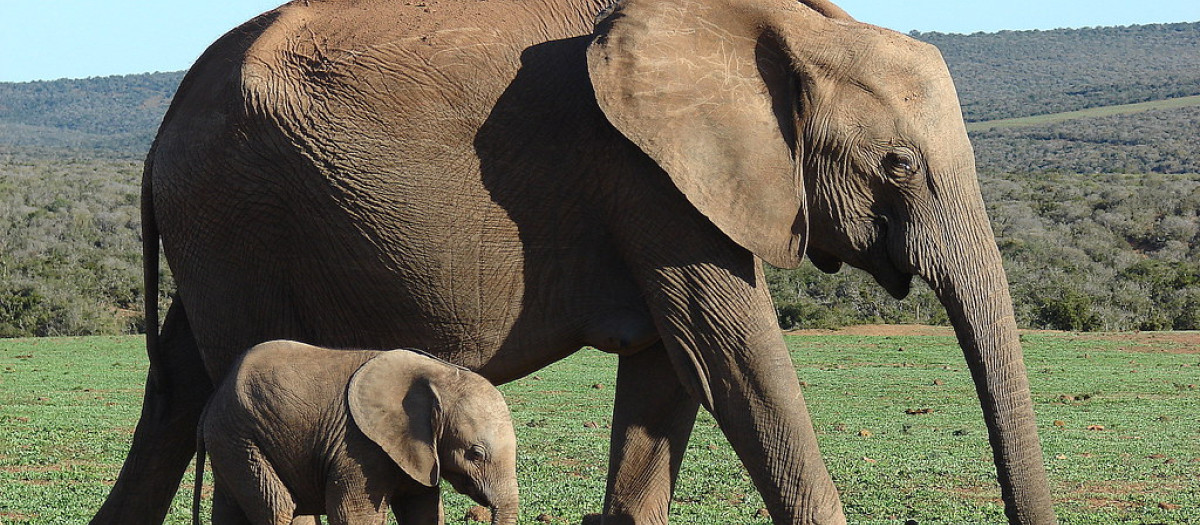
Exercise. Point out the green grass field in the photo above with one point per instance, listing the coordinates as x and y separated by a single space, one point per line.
1105 111
1119 417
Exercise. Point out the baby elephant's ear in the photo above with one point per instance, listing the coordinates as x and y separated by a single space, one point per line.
395 405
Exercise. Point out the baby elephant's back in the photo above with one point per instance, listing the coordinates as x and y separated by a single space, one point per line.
292 381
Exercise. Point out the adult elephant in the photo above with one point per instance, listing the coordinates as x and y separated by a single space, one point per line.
501 183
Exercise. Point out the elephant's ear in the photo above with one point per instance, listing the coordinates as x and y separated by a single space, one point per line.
708 91
827 8
394 403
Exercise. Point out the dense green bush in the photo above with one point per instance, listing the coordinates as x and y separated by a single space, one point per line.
1160 141
70 253
1065 308
1082 252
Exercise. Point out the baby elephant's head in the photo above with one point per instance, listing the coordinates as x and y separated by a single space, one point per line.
437 420
477 449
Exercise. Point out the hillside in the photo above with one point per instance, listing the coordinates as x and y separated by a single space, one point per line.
119 113
1155 141
1020 73
1096 215
999 75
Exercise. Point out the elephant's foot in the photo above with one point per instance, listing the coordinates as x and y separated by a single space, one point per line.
652 421
161 450
165 438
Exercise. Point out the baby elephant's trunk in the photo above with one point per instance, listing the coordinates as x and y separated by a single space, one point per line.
504 515
505 507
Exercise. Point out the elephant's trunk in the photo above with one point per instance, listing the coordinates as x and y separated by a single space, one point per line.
974 289
505 512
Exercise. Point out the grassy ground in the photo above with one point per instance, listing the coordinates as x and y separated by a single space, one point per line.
1119 417
1105 111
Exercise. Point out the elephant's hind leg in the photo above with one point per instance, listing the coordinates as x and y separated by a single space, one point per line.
652 420
165 438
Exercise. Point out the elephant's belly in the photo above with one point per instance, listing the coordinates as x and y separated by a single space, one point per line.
483 300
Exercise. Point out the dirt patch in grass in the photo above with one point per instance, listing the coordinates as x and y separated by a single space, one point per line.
57 467
1168 342
1106 495
977 493
1114 495
1108 503
877 330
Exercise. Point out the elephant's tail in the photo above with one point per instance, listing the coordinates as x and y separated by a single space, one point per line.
199 487
150 251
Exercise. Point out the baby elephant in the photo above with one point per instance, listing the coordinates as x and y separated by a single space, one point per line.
297 430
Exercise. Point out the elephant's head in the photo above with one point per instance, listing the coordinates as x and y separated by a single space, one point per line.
435 421
797 130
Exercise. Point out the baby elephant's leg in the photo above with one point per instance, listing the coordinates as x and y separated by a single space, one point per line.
247 480
424 507
225 509
350 503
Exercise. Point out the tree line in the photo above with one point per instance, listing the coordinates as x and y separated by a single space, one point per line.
103 114
1109 251
1021 73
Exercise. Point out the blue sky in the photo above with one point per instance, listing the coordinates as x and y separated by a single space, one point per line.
49 39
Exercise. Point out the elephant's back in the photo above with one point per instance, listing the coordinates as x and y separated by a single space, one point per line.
313 73
373 108
382 20
309 46
321 175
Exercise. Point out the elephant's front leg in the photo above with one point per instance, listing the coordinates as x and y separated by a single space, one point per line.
764 416
720 332
652 419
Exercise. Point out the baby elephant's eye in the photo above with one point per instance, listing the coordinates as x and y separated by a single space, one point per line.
476 453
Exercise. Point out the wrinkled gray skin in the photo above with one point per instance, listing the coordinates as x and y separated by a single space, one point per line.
501 183
301 430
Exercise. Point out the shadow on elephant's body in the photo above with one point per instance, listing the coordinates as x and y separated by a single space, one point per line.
579 196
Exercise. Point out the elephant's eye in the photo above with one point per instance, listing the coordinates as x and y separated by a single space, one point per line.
476 453
900 164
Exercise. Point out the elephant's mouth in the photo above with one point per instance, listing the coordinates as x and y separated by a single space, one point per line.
897 283
885 259
463 485
824 261
876 260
